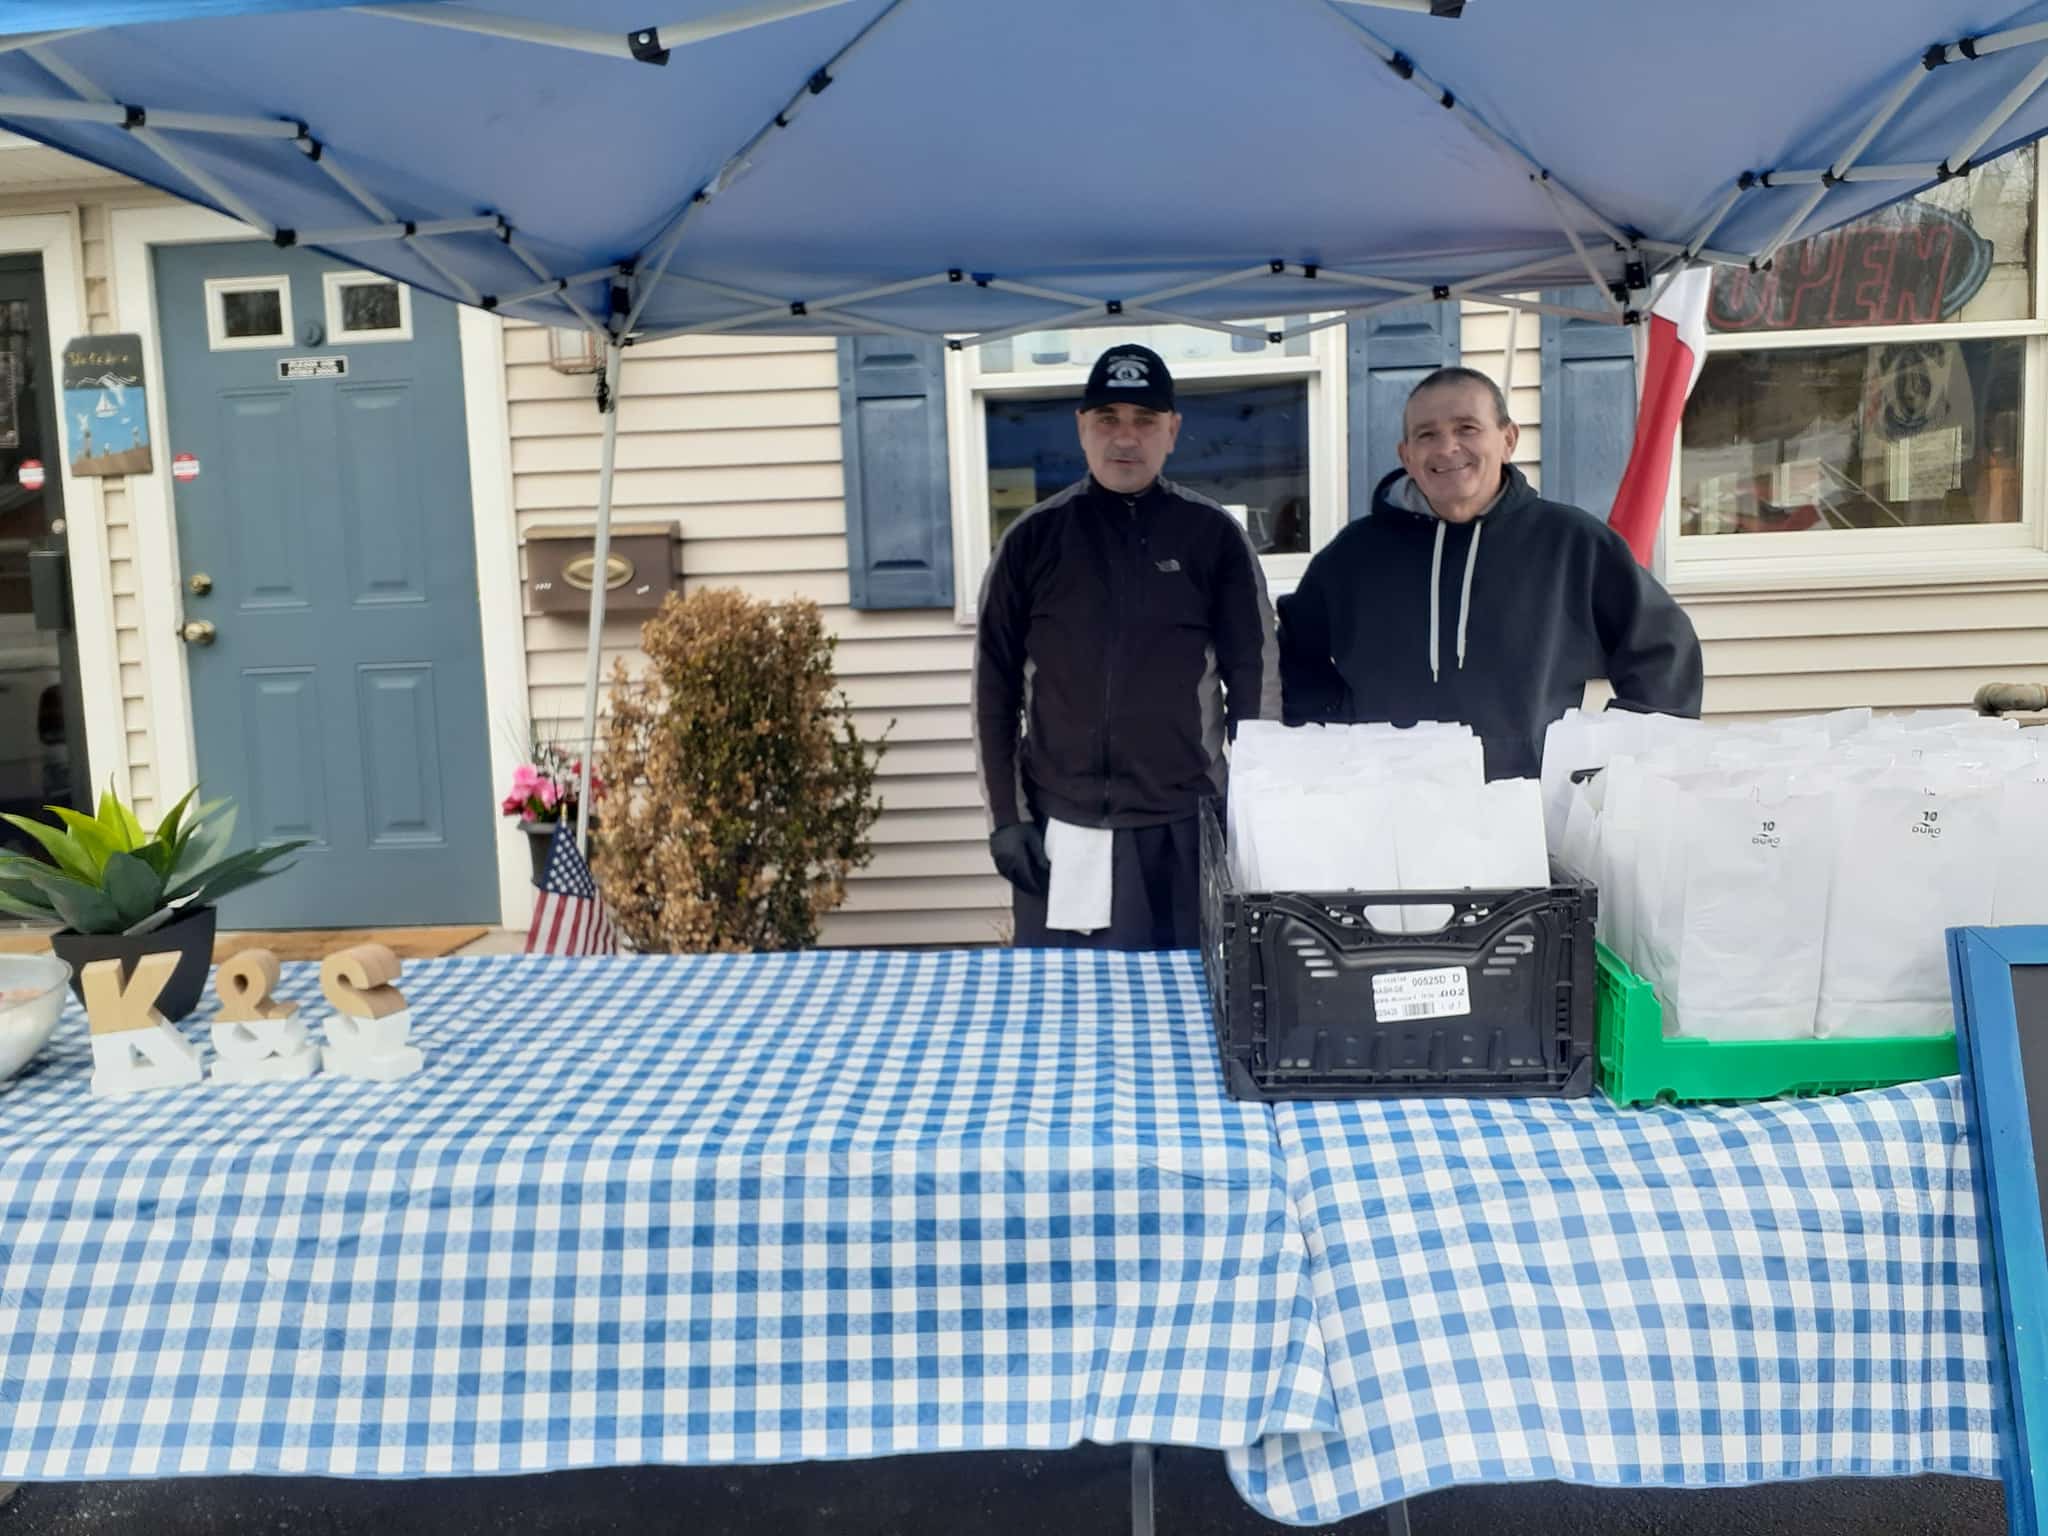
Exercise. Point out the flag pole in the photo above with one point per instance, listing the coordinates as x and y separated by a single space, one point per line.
593 664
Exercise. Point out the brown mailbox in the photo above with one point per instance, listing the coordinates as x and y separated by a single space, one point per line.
561 562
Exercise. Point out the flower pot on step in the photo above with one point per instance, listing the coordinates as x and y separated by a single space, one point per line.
539 834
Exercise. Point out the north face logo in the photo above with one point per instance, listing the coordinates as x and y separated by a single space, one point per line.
1129 373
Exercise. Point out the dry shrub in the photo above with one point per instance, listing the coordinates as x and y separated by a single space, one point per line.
742 797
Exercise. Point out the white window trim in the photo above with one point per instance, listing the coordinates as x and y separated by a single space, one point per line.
217 288
331 285
1323 368
1907 557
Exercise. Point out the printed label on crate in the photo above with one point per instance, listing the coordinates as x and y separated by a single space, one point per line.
1398 996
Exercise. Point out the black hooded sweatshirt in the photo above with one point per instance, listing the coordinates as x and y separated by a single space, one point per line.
1499 623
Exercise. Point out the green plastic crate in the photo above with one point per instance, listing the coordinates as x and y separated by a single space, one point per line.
1638 1065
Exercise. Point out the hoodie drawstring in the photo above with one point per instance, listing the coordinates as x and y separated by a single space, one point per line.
1436 571
1465 593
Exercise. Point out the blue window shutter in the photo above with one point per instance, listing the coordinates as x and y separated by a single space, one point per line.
1387 354
1589 404
899 513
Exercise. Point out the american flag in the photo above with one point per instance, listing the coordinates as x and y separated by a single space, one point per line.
569 918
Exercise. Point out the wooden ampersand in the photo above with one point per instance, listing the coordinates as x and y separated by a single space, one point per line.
111 1008
244 983
357 981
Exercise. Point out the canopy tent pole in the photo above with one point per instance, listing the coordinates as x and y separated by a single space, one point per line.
1846 161
1407 69
1564 220
593 662
149 139
647 45
1507 368
647 273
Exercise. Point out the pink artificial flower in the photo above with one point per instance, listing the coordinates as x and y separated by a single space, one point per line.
550 796
525 779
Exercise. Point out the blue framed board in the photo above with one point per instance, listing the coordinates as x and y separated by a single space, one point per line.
2000 980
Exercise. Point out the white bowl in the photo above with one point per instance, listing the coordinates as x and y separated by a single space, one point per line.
26 1025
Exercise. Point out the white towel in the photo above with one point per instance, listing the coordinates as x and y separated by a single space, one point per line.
1078 901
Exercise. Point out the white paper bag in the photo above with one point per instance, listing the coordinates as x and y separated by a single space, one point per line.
1331 840
1909 864
2020 894
1458 837
1620 853
1752 935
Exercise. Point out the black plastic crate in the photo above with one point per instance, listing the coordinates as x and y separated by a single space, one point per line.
1298 983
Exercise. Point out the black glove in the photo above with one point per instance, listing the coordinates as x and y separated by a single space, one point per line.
1019 852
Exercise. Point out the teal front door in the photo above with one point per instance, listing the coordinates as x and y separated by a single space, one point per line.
320 470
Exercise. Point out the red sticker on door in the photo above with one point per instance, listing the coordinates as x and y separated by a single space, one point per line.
30 474
185 466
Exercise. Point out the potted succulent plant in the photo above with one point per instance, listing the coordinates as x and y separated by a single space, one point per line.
119 892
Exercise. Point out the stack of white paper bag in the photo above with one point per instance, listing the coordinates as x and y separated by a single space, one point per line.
1794 879
1331 808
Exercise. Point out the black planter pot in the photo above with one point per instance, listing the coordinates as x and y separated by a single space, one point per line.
539 834
191 935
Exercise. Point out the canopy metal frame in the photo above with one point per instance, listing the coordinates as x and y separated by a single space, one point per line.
1619 263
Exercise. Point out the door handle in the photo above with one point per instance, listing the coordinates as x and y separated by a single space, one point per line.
49 588
198 632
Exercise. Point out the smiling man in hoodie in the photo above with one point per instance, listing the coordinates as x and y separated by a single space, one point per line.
1466 596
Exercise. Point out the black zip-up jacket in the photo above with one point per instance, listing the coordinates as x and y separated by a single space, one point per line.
1107 624
1499 622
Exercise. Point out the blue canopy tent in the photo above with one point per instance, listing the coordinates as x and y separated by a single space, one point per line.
975 170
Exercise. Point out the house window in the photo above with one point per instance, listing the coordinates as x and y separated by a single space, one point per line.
246 312
1868 394
361 306
1262 434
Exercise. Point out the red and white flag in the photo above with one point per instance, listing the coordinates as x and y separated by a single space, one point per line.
1677 350
569 916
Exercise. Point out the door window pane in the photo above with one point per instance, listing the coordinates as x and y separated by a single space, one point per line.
1904 435
252 313
370 307
1245 446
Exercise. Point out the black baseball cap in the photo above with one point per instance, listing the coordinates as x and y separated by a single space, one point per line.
1129 373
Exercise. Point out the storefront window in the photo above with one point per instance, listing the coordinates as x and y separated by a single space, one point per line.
1874 378
1905 434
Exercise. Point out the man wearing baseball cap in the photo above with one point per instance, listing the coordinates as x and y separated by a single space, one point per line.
1123 629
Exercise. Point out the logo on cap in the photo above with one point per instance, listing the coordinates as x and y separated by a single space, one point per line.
1129 373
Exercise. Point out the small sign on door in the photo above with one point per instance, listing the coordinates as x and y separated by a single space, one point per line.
335 367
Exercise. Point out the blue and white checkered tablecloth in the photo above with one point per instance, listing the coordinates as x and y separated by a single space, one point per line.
1536 1289
745 1208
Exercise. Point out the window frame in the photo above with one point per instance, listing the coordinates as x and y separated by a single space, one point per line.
1834 557
218 288
331 286
968 389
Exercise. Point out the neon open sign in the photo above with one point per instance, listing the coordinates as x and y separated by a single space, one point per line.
1910 264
